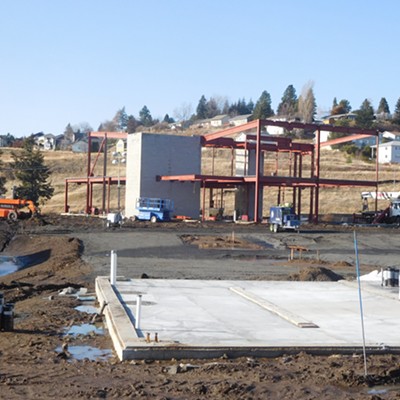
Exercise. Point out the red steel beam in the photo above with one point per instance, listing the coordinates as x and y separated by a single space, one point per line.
110 135
230 131
345 139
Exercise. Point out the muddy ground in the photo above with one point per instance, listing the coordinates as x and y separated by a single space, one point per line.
36 359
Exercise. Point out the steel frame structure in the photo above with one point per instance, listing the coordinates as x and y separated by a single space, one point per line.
262 143
256 140
90 179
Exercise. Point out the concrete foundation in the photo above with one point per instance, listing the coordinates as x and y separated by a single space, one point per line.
207 319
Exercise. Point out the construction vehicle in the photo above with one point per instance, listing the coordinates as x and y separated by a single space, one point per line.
389 215
154 209
283 218
114 220
13 209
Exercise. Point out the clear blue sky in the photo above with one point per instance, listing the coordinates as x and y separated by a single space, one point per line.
81 60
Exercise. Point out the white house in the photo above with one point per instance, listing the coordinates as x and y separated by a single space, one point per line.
240 119
388 152
219 120
391 135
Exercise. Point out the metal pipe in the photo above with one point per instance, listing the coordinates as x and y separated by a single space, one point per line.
113 269
138 311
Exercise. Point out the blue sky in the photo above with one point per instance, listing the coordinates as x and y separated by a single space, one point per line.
80 61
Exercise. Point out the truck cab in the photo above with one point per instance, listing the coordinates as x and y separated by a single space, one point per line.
283 218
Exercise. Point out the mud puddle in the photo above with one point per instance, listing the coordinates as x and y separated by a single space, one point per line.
8 266
84 352
84 329
87 308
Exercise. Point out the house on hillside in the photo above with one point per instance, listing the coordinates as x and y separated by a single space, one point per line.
219 120
391 135
388 152
44 142
240 119
82 145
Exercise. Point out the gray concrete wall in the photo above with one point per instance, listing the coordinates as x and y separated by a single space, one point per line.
150 155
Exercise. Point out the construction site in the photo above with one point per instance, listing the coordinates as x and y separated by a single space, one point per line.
193 294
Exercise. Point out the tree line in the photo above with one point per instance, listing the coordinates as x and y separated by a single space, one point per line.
292 106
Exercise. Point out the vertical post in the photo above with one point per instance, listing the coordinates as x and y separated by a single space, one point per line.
203 211
113 272
299 190
138 311
108 194
317 171
294 189
103 205
66 197
88 173
310 215
212 164
377 170
119 184
258 167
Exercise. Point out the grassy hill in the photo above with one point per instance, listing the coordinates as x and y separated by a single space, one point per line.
334 164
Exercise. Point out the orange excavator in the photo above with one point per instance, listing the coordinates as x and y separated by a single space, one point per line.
13 209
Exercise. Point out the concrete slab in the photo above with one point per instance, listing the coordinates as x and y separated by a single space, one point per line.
199 318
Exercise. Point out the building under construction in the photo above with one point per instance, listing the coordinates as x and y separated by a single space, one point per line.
169 166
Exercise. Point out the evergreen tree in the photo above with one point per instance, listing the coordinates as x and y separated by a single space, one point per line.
365 115
213 108
263 108
250 107
383 108
201 110
396 115
168 119
29 169
334 104
145 117
288 104
121 119
132 124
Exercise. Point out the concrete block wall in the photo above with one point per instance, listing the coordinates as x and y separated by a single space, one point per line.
149 155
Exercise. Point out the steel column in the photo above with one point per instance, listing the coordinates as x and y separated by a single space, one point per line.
66 197
258 166
103 204
317 171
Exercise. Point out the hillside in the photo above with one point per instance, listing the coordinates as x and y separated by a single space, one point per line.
334 164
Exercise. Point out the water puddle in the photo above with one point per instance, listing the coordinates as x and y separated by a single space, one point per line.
84 329
87 308
377 390
8 266
87 352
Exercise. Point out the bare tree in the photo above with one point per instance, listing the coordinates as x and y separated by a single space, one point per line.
183 112
307 104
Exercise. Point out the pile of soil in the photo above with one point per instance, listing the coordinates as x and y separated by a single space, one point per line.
315 274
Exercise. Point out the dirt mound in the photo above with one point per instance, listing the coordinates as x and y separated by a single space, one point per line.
316 274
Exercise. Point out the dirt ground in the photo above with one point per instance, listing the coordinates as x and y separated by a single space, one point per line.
36 359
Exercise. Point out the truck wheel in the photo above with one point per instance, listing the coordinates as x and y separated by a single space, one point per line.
275 228
12 216
271 227
153 219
